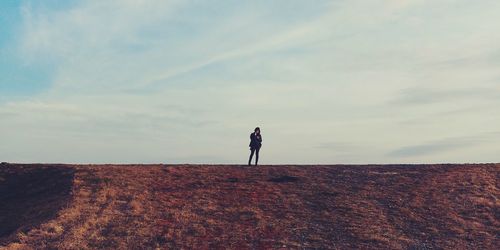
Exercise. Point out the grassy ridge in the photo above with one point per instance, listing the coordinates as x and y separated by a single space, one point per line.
207 206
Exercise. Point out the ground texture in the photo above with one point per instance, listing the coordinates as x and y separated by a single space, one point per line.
240 207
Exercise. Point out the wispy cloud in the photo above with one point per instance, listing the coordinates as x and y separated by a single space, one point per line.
429 148
429 95
447 144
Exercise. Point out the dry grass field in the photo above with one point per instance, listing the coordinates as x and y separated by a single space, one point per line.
240 207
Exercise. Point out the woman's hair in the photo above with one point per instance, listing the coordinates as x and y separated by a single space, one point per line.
257 128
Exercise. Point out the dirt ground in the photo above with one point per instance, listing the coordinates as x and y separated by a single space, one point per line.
241 207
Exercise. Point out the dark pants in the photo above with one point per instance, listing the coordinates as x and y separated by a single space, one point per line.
256 150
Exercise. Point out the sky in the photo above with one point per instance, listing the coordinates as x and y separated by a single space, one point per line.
328 82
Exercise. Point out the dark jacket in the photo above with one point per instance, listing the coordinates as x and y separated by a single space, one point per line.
255 140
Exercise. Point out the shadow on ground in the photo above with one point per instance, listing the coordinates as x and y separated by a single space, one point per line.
31 195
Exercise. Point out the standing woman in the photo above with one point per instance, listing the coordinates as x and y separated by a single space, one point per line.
255 144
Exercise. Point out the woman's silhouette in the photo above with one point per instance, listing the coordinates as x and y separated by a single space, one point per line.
255 144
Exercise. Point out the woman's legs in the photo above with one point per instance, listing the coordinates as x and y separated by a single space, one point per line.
257 156
251 155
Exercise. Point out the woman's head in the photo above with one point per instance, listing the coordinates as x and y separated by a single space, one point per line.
257 130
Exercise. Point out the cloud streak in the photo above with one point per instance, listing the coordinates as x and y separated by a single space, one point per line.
447 144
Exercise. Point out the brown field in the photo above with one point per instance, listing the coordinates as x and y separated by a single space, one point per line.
240 207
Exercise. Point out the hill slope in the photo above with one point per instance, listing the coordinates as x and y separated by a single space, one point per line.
202 206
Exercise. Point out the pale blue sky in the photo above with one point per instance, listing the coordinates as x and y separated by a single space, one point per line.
379 81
